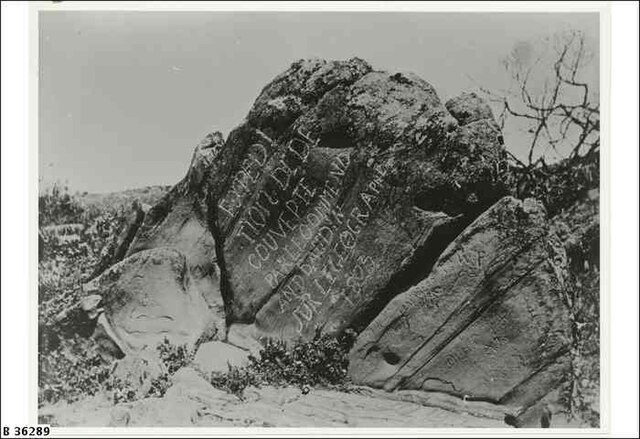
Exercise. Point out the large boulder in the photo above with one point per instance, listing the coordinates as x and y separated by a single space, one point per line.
340 189
488 323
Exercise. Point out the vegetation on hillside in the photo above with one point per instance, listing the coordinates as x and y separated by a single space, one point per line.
75 233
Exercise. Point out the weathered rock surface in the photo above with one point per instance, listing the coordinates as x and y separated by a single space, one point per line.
489 321
150 296
246 337
216 356
176 222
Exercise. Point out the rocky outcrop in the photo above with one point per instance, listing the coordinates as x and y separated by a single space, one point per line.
488 323
354 198
348 198
340 189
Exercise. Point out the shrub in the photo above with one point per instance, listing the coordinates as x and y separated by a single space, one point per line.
559 185
69 365
74 370
235 381
70 371
57 206
322 361
121 391
159 386
173 356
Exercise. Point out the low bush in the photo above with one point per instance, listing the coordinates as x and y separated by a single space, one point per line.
159 386
121 391
557 185
174 357
322 361
70 371
235 381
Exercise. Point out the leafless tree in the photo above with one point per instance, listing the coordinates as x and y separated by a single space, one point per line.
552 99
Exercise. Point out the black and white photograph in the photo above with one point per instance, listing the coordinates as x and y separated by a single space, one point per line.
265 219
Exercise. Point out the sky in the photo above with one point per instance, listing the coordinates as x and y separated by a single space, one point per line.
124 97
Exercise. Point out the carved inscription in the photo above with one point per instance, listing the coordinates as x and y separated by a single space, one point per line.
245 179
333 268
293 230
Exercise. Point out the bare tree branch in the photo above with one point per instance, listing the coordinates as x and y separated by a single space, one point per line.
560 112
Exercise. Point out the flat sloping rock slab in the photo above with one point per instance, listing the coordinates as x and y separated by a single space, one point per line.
318 213
487 319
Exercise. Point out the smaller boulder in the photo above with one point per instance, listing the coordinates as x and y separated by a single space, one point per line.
187 377
202 158
216 356
245 336
90 305
469 107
